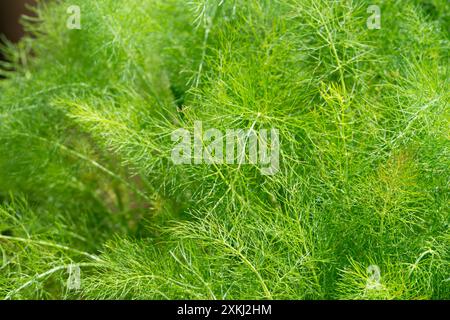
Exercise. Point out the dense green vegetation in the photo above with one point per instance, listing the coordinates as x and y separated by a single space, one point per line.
86 177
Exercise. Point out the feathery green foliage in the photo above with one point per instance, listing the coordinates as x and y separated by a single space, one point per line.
86 178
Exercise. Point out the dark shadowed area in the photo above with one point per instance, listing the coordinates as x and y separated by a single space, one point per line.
10 12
